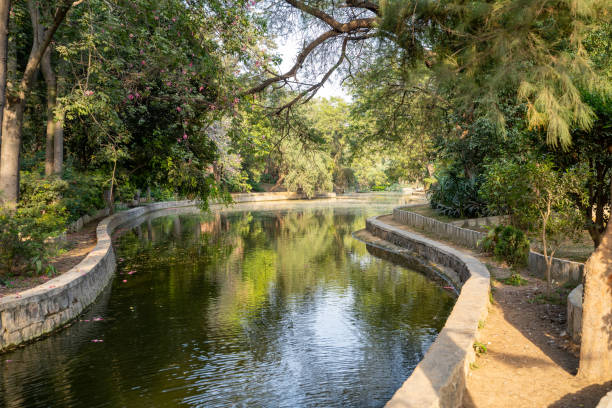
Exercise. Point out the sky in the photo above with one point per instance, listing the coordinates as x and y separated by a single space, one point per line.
288 48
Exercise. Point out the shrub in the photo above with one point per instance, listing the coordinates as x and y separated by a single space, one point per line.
22 241
456 196
84 194
507 243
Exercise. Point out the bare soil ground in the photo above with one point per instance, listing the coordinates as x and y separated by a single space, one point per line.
529 360
78 245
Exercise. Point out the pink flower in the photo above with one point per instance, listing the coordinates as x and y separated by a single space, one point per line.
131 97
178 109
125 280
88 92
141 52
178 140
131 35
143 62
137 95
191 64
257 63
173 20
156 17
184 136
236 100
201 88
169 83
162 71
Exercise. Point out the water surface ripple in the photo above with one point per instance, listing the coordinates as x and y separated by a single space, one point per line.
263 308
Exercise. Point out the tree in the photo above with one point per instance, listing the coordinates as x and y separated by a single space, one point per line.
15 103
5 8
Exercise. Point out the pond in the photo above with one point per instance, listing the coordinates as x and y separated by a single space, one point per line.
263 306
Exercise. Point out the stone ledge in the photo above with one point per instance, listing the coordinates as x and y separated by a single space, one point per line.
439 380
574 313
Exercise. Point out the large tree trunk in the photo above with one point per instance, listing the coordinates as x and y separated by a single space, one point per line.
50 80
5 7
58 139
596 346
13 111
9 154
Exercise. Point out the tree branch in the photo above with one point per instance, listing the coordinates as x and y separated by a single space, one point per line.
313 89
36 55
298 63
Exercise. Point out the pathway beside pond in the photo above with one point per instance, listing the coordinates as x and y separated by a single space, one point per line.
78 245
529 359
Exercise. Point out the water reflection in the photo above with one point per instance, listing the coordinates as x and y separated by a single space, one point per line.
259 308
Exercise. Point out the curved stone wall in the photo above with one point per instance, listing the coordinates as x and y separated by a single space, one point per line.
439 380
562 270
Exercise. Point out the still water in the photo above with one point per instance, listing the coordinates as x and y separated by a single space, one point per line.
273 306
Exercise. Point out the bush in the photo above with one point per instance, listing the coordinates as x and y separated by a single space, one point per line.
84 194
22 241
507 243
41 205
456 196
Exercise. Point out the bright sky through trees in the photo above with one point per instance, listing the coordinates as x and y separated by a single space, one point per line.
288 48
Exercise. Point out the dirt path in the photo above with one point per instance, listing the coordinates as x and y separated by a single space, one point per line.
78 245
530 361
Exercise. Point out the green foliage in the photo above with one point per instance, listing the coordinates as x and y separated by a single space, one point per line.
516 280
480 348
83 194
507 243
476 49
41 206
307 171
504 190
457 197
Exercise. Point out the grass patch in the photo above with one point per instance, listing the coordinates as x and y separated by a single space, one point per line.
516 280
480 348
555 298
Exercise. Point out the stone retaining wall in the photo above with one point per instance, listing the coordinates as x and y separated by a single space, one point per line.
574 313
275 196
562 270
77 225
439 380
